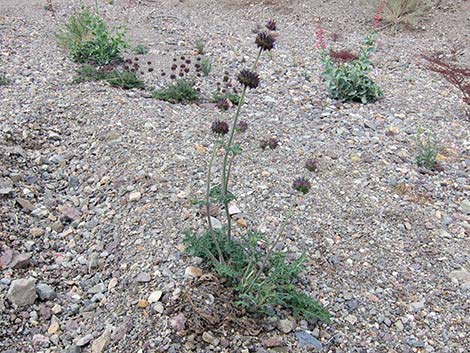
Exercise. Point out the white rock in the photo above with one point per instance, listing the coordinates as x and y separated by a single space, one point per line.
155 296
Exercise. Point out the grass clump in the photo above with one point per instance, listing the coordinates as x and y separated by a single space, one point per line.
3 80
404 12
427 149
206 66
140 49
234 98
88 39
200 46
115 77
178 91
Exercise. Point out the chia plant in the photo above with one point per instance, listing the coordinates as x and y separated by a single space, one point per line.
200 46
261 279
206 66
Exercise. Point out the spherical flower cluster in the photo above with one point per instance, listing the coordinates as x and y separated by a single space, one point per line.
265 41
272 143
242 126
220 127
248 78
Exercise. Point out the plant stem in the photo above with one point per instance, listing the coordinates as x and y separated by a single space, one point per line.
208 190
224 169
225 172
276 241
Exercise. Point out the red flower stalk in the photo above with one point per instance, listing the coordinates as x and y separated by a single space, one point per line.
378 15
50 7
320 32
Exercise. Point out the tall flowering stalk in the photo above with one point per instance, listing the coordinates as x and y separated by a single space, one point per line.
378 15
320 32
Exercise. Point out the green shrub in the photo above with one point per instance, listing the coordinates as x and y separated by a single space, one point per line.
179 91
140 49
115 77
88 39
427 149
348 81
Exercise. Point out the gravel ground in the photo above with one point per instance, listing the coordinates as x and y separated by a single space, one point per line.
96 183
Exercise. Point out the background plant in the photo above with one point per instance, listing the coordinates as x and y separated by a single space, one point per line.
427 149
404 12
116 77
206 66
3 80
261 279
348 80
457 75
178 91
88 39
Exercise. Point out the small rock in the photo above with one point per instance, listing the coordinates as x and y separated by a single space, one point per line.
6 257
101 342
209 338
216 224
460 276
25 204
155 296
134 196
465 206
412 342
285 325
178 322
416 306
45 292
36 232
69 212
54 326
142 303
271 342
22 291
82 341
40 341
6 186
305 339
192 271
233 209
142 277
351 319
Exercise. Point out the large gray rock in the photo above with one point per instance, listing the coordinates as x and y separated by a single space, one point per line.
22 291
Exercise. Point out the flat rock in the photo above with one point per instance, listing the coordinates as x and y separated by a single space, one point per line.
6 186
461 276
135 196
99 345
271 342
155 296
305 339
20 261
25 204
142 277
192 271
22 291
84 340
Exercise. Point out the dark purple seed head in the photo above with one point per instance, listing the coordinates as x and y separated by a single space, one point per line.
188 61
220 127
248 78
182 57
272 143
174 67
186 70
225 79
302 185
224 104
265 41
149 63
172 76
151 69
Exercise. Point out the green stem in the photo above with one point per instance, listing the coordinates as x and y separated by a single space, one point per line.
225 172
224 169
276 241
208 190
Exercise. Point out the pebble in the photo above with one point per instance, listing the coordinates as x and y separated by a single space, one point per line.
142 277
135 196
155 296
84 340
271 342
210 338
192 271
285 325
45 292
